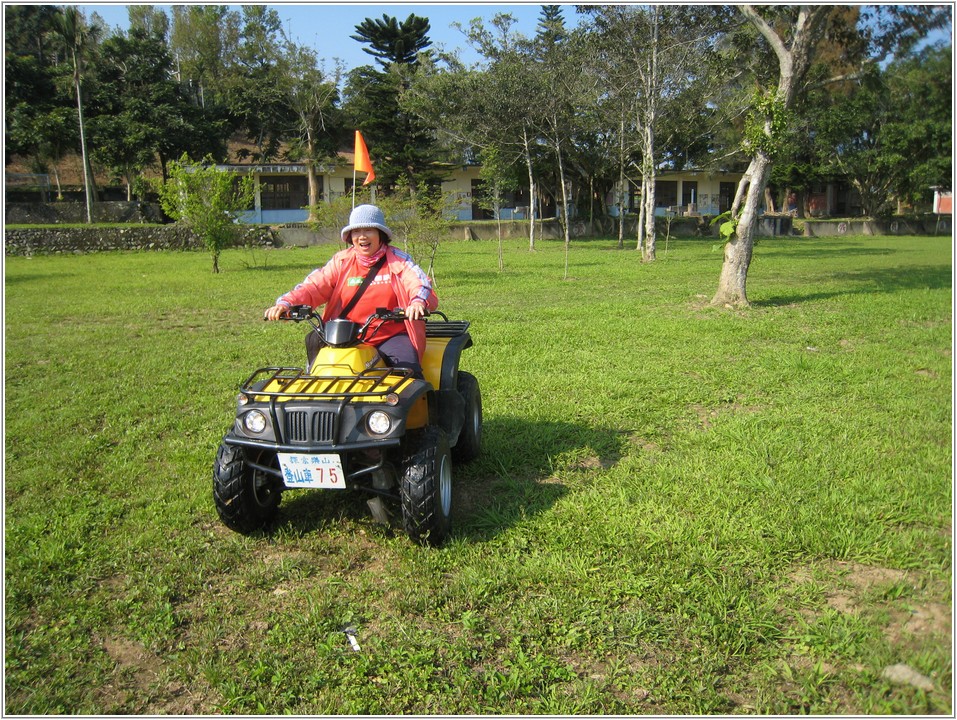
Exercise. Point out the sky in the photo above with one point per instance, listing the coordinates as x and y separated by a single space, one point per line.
326 27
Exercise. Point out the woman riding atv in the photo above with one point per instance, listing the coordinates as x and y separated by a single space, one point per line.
368 275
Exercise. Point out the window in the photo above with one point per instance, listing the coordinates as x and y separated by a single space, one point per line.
726 192
478 196
666 193
689 192
285 193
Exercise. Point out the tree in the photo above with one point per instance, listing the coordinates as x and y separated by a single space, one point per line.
313 99
206 199
39 119
477 112
558 59
140 113
920 130
490 113
77 39
401 142
391 42
793 34
204 41
498 177
891 136
257 86
658 61
150 20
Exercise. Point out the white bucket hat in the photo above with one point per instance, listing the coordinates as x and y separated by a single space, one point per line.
366 216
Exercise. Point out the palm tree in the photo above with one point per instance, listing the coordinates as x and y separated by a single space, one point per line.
72 30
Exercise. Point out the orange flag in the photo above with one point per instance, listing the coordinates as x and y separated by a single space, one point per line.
362 161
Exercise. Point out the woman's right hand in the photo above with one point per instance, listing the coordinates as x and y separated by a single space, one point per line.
276 311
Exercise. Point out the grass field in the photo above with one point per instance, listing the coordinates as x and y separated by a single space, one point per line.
679 509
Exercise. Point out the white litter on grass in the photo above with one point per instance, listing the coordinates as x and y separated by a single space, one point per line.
351 634
378 509
905 675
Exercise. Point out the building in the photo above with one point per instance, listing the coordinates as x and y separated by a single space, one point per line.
684 192
282 194
282 189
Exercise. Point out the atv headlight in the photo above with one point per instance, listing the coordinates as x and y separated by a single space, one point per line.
379 422
254 421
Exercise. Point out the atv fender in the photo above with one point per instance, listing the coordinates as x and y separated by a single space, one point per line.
450 413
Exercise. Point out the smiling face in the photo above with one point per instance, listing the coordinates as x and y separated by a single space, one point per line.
366 241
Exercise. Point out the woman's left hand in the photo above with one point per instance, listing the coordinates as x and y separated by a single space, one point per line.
416 310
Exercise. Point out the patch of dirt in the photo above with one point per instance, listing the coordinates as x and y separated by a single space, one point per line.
645 445
139 684
914 603
592 462
707 415
861 579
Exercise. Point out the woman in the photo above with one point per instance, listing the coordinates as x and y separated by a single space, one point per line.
398 282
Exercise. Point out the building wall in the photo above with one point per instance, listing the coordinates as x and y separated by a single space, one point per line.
694 192
687 193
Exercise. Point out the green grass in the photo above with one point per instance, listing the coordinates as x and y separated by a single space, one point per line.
678 510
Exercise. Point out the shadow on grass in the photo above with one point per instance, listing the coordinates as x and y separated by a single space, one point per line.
868 282
520 472
820 250
514 478
282 268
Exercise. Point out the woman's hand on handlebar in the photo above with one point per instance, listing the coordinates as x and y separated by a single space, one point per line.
416 310
276 312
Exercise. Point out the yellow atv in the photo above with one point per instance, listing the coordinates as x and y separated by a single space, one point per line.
353 422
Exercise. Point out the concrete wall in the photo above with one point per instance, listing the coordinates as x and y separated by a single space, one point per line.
79 240
927 225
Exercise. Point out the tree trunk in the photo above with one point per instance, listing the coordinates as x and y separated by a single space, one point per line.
311 181
56 178
769 200
87 175
648 254
564 213
641 216
498 222
622 187
531 192
732 284
794 58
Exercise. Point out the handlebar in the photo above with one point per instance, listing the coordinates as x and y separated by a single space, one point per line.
306 313
301 313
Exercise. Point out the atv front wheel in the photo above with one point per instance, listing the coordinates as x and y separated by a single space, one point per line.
426 488
247 499
469 444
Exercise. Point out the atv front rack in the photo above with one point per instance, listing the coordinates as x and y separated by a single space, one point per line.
289 382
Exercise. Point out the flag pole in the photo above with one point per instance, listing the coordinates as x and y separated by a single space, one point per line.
361 162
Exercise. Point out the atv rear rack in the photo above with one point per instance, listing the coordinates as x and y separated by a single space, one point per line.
297 383
447 329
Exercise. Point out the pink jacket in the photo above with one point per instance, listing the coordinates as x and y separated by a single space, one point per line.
323 286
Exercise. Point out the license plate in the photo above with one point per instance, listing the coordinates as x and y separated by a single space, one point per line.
300 470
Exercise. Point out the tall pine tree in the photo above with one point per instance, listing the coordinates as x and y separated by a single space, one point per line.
401 144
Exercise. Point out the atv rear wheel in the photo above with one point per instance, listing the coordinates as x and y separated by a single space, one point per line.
426 488
469 444
247 499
